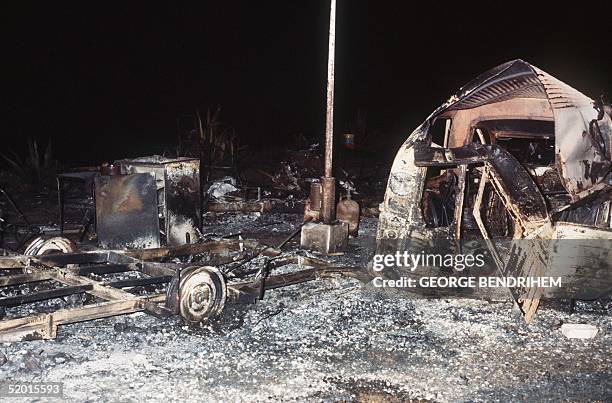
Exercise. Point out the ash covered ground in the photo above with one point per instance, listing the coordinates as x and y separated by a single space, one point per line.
327 341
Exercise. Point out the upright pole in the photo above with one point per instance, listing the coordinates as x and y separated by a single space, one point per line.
328 182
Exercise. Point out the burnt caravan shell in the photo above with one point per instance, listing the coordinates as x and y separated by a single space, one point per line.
514 101
583 133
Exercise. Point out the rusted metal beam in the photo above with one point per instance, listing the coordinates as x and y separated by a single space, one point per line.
304 275
242 206
98 289
220 247
22 279
14 262
329 124
460 199
44 295
328 202
136 282
44 326
62 259
529 300
103 269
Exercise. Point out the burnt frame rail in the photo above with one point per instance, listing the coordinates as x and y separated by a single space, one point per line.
115 301
71 270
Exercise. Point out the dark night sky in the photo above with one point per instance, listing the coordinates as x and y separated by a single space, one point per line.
108 82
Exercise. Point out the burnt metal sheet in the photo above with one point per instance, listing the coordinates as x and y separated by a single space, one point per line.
178 189
425 156
583 132
182 194
582 255
126 211
513 79
519 190
583 136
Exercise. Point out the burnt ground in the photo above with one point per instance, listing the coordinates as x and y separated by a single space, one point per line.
327 341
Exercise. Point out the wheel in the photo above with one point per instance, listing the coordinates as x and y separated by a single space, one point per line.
56 245
41 246
202 293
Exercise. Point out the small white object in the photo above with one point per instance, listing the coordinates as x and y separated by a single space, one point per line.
578 331
218 190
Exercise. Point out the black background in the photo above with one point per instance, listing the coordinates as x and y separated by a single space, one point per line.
108 81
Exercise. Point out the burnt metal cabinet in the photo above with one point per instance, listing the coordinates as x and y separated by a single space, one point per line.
126 211
178 194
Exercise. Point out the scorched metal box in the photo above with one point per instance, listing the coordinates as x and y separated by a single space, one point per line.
178 194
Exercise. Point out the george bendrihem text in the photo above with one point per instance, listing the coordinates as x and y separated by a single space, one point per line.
463 282
457 262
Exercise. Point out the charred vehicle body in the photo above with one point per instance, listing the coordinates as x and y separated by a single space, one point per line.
515 156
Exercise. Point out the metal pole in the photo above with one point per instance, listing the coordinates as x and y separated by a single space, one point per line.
329 126
328 182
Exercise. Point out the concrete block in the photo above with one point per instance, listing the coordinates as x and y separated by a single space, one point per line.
325 238
578 331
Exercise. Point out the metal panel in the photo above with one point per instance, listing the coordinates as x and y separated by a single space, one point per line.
182 180
583 133
583 137
178 184
126 211
582 256
515 79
